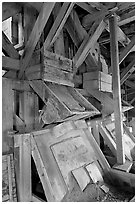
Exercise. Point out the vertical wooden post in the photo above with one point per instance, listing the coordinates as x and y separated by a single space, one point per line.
22 157
116 89
7 114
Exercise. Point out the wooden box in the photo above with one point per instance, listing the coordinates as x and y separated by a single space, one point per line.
98 81
54 68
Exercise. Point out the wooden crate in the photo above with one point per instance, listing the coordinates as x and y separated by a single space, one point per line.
97 81
54 68
8 179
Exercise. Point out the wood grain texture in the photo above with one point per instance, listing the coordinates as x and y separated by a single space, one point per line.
35 35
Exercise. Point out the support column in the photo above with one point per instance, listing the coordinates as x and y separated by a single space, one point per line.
116 89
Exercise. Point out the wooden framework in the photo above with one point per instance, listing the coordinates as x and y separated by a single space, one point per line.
58 66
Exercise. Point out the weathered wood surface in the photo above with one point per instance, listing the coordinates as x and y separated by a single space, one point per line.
97 81
9 63
7 114
35 35
89 42
9 9
22 157
57 152
116 89
58 24
9 193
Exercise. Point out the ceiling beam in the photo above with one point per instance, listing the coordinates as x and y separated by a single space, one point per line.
35 35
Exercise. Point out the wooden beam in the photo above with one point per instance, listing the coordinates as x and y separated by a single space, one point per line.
9 9
36 5
127 72
35 35
89 42
126 50
59 43
7 114
23 169
58 24
8 47
116 89
130 84
86 7
124 19
9 63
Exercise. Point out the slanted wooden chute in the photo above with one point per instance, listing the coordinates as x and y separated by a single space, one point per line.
68 97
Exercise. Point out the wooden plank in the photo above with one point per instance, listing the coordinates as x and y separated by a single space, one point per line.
21 85
26 110
58 24
56 60
98 85
59 43
128 132
9 9
65 97
35 35
81 177
130 84
86 7
124 167
98 152
105 99
59 110
108 139
42 172
95 133
127 72
89 43
126 50
25 169
8 47
51 74
78 34
9 63
116 89
94 172
97 75
123 179
7 114
82 100
18 123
